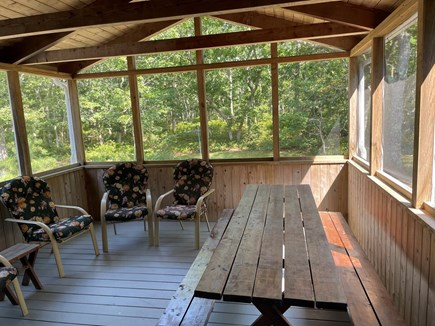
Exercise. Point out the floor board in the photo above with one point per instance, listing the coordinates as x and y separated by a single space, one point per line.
130 285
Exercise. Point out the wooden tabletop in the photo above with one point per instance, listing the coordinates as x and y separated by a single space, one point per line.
274 226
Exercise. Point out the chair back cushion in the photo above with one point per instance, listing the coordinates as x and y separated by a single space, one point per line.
193 179
29 198
127 184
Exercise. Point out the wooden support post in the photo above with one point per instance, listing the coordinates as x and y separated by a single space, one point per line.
76 123
425 106
135 110
275 101
200 75
19 123
377 83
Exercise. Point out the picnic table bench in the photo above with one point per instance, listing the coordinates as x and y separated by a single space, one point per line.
272 223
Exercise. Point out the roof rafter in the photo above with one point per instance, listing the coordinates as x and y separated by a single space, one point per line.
255 19
138 33
137 12
313 31
343 13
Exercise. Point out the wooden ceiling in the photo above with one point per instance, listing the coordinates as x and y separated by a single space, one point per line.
70 35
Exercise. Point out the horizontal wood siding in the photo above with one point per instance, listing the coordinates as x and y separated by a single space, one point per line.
85 188
328 183
67 188
399 245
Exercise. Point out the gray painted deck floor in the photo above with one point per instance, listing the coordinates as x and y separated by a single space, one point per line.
131 285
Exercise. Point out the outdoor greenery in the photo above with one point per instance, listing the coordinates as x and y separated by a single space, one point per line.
313 107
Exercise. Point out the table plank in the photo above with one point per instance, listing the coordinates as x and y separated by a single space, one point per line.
327 287
298 288
214 278
240 283
268 282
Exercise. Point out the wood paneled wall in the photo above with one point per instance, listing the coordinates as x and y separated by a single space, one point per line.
398 242
328 181
83 187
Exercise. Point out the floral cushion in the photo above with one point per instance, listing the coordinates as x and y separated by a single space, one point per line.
126 214
178 212
127 184
29 198
61 230
192 180
7 274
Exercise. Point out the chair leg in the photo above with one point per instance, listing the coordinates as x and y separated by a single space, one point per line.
150 229
94 239
114 228
206 219
20 297
181 223
104 235
156 231
57 258
197 231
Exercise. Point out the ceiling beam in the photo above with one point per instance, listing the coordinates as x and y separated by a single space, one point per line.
314 31
255 19
136 34
137 12
343 13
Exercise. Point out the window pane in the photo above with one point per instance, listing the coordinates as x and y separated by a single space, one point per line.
313 108
237 53
109 64
170 116
239 112
399 103
364 106
46 117
105 109
8 156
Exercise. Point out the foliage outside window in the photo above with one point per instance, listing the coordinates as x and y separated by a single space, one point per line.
296 48
8 152
239 112
399 102
105 109
313 108
109 64
363 125
170 116
45 112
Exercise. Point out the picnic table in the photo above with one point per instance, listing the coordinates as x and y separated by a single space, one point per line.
274 254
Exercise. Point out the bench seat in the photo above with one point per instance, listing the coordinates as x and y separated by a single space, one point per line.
369 302
184 309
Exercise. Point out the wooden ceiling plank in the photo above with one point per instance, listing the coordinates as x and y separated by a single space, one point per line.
344 13
115 13
314 31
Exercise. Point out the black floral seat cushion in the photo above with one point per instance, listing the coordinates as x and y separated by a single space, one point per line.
62 229
126 214
7 274
193 179
29 198
127 184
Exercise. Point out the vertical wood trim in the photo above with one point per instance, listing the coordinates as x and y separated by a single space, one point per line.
377 83
425 105
200 76
76 122
275 101
19 123
135 110
353 105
